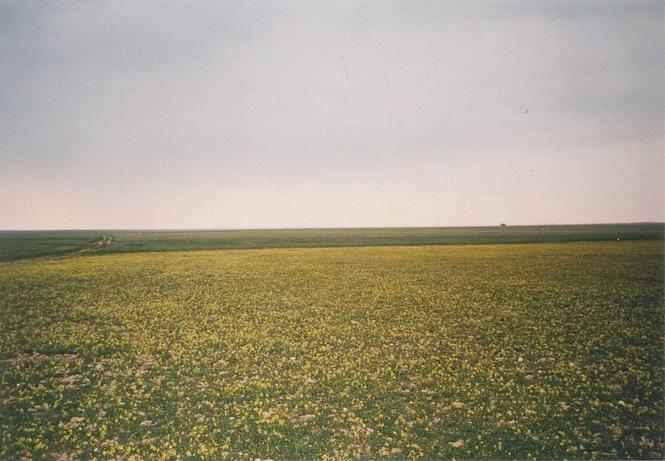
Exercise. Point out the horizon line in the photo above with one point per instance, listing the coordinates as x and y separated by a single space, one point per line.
222 229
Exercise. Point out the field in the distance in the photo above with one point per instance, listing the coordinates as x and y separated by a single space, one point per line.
25 244
32 244
494 351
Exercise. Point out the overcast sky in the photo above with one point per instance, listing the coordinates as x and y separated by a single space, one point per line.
248 114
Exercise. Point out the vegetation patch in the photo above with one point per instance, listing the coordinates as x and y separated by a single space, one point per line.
495 351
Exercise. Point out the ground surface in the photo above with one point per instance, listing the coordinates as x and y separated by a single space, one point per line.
19 245
496 351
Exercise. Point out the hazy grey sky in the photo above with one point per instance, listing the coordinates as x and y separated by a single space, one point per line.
242 114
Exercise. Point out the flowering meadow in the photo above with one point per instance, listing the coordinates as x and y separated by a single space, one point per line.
423 352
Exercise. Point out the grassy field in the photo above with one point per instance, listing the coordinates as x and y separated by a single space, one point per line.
30 244
18 245
497 351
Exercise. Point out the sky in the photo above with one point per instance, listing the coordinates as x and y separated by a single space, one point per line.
264 114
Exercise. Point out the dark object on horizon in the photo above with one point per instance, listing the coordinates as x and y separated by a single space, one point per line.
503 224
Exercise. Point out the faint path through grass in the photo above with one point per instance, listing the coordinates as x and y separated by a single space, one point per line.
106 241
90 247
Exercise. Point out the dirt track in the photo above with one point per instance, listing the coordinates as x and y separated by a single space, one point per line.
106 241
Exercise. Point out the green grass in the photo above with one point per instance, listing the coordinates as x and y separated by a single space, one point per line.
300 238
493 351
17 245
30 244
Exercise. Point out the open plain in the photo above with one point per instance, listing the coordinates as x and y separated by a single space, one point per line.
540 350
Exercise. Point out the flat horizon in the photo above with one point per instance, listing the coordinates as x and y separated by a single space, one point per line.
192 229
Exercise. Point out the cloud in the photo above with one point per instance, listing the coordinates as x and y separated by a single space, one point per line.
320 113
